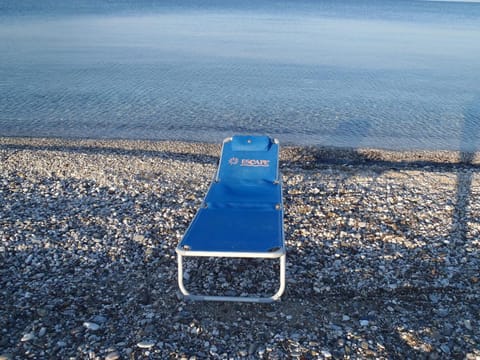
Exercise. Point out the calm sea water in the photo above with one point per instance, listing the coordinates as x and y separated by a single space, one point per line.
394 74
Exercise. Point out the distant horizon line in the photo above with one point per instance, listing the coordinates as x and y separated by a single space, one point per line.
458 1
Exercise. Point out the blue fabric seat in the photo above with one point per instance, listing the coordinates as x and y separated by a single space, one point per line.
242 214
235 230
244 195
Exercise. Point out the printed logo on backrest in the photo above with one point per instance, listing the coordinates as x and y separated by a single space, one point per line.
248 162
255 163
233 161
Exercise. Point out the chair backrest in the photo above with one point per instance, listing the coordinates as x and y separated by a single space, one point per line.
249 158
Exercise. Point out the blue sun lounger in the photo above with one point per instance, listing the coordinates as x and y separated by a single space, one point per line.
242 213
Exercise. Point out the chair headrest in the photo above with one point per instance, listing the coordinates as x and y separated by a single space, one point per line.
249 158
251 143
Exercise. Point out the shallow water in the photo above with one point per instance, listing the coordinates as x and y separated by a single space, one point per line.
388 74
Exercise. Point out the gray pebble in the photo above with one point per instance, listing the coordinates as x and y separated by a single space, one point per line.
114 355
42 331
27 337
146 344
91 326
364 322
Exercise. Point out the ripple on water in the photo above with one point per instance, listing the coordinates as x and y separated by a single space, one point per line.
313 79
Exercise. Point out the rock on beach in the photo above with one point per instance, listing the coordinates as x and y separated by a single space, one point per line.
88 231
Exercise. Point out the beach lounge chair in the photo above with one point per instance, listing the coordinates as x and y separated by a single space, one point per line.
242 213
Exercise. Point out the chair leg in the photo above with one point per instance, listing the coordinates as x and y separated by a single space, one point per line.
180 276
281 289
255 299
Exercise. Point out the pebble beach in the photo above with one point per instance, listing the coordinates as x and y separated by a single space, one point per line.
383 255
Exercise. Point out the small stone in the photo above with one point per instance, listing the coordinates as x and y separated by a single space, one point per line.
243 352
261 350
27 337
443 312
345 318
146 344
252 348
138 238
364 322
91 326
447 330
195 330
468 324
472 356
445 348
326 354
42 312
42 331
99 319
364 345
114 355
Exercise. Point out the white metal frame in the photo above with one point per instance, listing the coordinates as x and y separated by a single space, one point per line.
279 254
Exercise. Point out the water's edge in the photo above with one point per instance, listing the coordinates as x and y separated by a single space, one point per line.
305 157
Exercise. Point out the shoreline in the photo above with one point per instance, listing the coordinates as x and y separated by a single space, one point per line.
326 154
382 255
